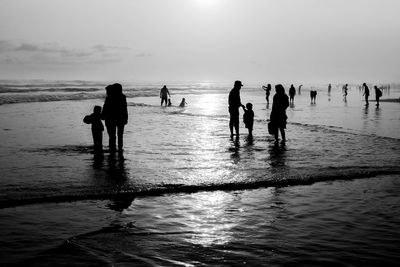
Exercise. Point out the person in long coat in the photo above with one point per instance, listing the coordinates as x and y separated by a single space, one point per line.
278 116
115 115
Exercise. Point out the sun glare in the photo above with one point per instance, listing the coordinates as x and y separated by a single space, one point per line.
207 3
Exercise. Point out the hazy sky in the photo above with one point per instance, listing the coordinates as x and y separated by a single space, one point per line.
201 40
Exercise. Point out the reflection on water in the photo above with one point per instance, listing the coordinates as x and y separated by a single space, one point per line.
210 219
277 154
234 149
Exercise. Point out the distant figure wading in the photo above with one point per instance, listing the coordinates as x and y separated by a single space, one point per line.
378 94
292 93
366 93
183 103
267 90
278 114
115 115
234 105
313 96
164 93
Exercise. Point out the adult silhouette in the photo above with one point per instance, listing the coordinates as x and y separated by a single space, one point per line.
164 93
278 114
292 93
366 93
378 94
234 105
267 90
115 115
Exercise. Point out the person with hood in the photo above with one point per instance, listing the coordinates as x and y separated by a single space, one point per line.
278 114
115 115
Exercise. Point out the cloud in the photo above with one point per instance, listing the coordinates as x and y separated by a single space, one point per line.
53 53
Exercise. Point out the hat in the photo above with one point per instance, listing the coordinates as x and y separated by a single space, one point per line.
238 83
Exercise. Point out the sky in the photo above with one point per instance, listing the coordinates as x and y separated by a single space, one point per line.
296 41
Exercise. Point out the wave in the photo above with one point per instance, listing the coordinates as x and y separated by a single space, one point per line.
277 180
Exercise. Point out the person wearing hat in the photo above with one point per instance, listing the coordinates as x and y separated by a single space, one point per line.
234 105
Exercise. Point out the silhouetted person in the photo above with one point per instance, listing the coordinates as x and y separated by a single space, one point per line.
248 117
183 103
97 127
366 93
234 105
344 89
164 93
267 90
300 88
292 93
313 96
278 114
378 94
329 89
115 115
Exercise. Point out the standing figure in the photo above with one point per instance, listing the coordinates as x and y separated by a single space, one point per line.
313 96
164 93
329 89
267 90
248 118
115 115
97 128
278 114
292 93
366 93
378 94
344 89
300 88
234 105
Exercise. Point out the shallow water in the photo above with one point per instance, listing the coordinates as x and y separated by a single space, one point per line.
340 223
186 157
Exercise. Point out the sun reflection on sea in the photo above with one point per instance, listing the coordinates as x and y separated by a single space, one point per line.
210 220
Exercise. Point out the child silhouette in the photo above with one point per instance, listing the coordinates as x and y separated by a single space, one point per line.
97 127
248 117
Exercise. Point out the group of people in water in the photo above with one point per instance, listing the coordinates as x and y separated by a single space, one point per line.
278 116
166 98
115 113
115 116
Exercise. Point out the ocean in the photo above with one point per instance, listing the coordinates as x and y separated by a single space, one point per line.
184 193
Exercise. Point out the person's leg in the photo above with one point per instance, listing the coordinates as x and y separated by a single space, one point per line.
120 129
111 130
231 123
237 127
283 134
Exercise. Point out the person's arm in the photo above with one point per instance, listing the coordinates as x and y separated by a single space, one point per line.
124 115
104 111
168 93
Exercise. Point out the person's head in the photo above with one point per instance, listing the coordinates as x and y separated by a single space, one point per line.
291 85
109 89
97 109
376 87
238 84
249 106
269 85
364 84
279 89
183 99
164 87
117 88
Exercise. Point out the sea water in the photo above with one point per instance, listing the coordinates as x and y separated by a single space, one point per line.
183 192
